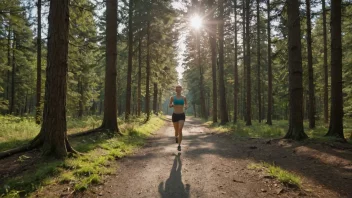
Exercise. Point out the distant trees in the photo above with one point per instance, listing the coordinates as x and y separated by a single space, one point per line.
284 85
219 61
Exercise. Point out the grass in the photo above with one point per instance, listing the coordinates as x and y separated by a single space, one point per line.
17 131
100 150
283 176
277 130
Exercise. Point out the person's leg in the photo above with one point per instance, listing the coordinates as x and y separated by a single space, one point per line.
175 122
176 129
180 127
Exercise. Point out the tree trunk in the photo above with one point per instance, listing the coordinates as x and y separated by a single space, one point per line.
336 116
129 67
53 134
155 98
326 75
213 67
258 66
311 108
25 103
244 59
223 114
13 76
201 83
81 100
296 130
39 63
194 109
203 111
139 100
133 101
263 104
235 73
110 110
147 99
248 66
212 41
270 75
8 63
160 105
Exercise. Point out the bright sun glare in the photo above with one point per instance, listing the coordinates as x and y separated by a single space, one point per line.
196 22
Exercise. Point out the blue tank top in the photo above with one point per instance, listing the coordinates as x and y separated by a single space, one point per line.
179 101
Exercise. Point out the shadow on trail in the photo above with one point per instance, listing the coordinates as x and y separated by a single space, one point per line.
173 186
285 157
337 177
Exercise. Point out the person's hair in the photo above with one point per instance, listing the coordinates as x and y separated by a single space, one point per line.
178 86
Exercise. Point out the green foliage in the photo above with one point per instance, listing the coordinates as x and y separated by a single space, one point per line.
16 51
84 80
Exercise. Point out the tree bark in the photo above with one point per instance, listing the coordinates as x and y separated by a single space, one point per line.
110 110
213 67
224 116
326 75
139 100
311 108
81 100
13 75
296 130
244 59
212 41
248 66
203 111
160 105
8 63
39 63
201 83
155 98
270 85
147 96
258 66
235 73
129 67
53 134
336 116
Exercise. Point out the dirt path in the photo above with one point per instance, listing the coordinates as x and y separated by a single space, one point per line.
213 165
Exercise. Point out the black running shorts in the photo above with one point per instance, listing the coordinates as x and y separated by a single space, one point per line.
177 117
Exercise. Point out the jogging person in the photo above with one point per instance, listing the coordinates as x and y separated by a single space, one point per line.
178 102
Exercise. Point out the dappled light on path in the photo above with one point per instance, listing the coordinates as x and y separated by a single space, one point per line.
215 164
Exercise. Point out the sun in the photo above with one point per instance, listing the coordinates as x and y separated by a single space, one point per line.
196 22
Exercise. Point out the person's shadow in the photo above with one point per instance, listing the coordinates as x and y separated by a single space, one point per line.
173 185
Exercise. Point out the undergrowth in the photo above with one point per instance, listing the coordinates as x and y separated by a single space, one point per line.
99 152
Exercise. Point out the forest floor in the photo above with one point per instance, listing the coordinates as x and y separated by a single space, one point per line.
216 164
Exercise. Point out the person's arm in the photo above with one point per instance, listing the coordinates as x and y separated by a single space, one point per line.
171 102
186 104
